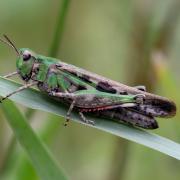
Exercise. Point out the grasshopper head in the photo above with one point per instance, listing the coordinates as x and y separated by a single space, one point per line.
25 60
24 63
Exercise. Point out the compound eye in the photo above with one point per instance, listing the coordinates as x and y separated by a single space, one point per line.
26 55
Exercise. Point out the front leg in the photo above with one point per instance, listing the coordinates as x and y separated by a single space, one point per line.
19 89
10 75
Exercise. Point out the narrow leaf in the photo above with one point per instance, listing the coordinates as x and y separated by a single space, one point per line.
34 99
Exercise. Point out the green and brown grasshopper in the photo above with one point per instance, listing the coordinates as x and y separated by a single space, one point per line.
89 93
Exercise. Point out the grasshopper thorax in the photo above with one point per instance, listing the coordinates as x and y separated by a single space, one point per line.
25 63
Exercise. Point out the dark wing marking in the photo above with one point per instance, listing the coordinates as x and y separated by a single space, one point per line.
105 87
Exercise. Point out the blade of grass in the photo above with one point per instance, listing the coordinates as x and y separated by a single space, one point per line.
19 164
46 167
21 160
34 99
59 28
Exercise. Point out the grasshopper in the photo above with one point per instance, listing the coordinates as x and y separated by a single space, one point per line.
87 92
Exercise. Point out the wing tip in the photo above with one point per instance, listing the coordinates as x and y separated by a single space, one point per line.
170 108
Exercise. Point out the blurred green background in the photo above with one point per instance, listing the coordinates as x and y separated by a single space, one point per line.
134 42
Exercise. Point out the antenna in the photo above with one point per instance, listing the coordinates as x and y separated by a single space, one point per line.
10 43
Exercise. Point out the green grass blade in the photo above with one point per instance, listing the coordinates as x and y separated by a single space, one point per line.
34 99
58 34
46 167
